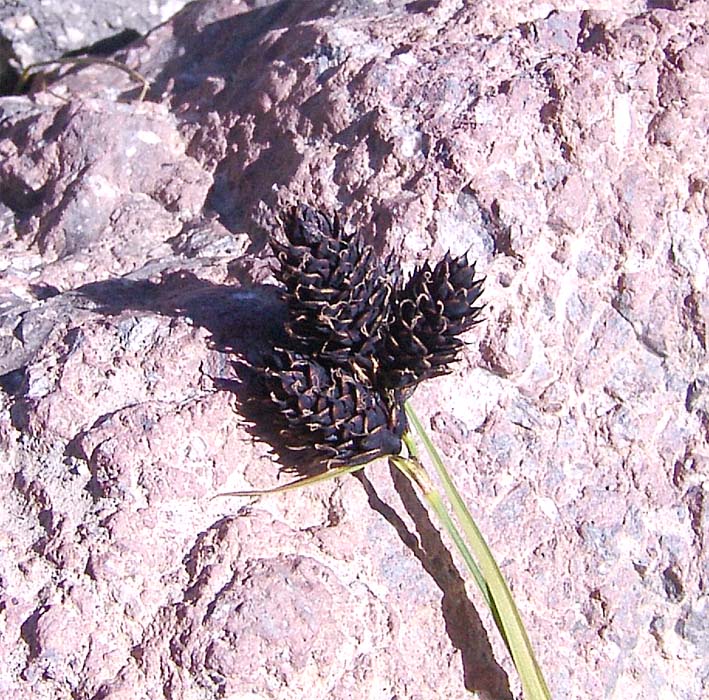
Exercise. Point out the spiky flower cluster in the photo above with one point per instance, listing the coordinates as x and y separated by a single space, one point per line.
357 341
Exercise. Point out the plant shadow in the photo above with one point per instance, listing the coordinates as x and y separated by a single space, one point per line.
244 322
481 672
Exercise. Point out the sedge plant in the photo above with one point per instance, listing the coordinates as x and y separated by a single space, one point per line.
338 382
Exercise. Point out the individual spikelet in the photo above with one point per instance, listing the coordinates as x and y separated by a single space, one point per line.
338 291
327 417
429 313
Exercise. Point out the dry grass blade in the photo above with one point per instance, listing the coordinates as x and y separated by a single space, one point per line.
296 484
87 61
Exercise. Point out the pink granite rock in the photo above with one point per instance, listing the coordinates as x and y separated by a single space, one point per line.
565 148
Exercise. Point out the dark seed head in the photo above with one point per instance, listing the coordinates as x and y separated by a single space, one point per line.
356 342
337 289
429 313
328 416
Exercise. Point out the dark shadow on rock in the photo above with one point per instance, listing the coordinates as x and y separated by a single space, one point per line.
107 45
9 75
29 632
244 322
481 672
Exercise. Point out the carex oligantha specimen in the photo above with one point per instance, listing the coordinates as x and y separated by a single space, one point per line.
357 341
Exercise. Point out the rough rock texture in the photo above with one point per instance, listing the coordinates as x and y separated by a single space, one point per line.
38 30
566 148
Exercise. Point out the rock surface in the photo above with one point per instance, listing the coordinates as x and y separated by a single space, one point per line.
565 147
37 30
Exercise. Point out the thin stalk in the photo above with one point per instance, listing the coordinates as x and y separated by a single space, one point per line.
503 606
87 61
408 440
413 470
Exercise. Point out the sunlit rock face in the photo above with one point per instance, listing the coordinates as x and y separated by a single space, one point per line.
564 150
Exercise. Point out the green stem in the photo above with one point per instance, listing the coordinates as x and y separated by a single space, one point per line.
503 607
413 470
